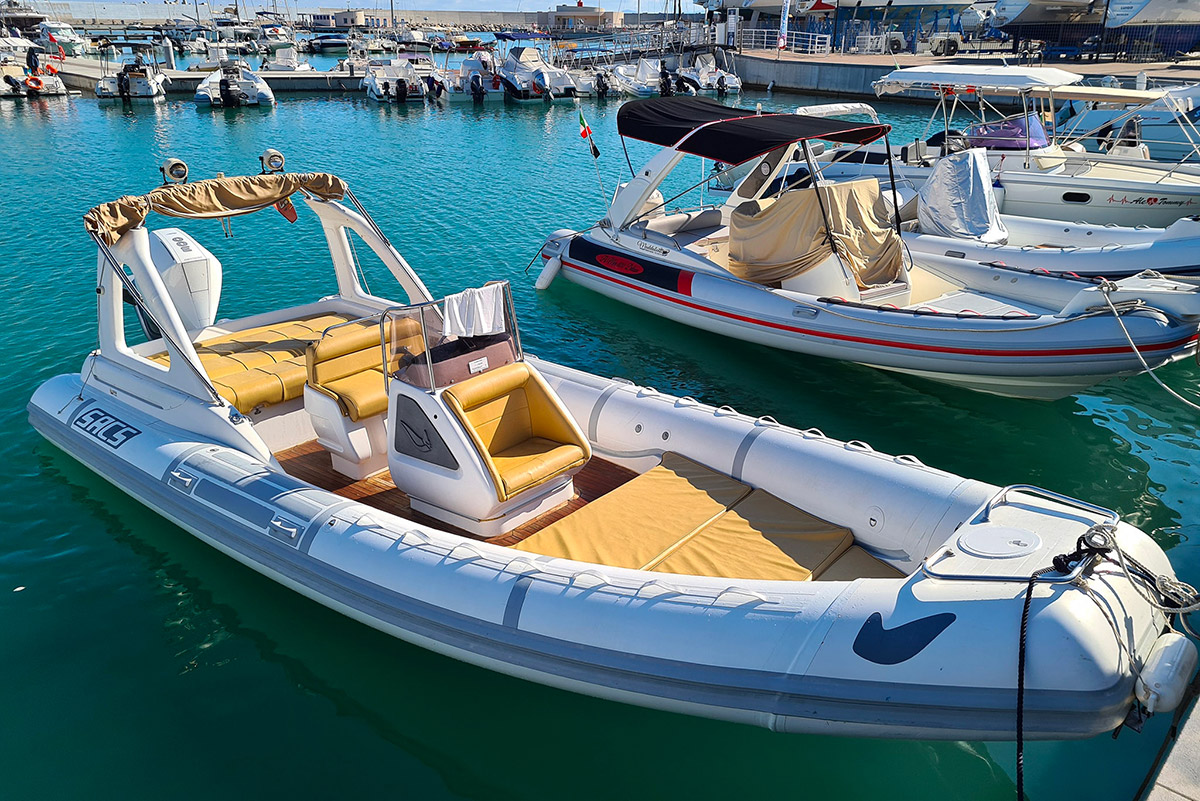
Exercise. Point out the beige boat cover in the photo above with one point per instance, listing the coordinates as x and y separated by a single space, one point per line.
774 240
211 198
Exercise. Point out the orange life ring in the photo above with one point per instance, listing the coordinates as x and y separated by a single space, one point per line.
35 83
50 70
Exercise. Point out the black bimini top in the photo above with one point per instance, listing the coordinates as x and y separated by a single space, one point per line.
732 135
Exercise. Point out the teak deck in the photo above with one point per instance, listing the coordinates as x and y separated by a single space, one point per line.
310 462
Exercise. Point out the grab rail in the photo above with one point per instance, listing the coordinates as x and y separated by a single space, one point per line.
1001 498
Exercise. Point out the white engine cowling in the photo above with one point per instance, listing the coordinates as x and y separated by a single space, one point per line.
191 275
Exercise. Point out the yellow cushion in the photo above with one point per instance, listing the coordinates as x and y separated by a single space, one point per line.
250 389
760 537
504 409
534 462
361 395
291 375
856 563
638 522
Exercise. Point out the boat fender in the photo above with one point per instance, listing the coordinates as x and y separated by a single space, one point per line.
495 81
1165 676
548 273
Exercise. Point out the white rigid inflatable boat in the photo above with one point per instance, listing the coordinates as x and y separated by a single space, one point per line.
954 214
584 532
818 272
232 85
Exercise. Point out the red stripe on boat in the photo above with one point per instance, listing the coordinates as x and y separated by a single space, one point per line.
885 343
685 283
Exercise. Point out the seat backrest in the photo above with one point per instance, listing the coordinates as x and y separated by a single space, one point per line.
353 348
509 405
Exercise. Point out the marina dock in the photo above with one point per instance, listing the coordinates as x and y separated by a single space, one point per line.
851 75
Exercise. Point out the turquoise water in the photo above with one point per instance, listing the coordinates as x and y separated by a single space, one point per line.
139 663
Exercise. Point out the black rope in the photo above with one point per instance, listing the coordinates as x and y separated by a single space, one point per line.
1062 564
627 161
1021 680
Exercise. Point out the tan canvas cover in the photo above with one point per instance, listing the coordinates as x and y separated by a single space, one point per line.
215 197
784 238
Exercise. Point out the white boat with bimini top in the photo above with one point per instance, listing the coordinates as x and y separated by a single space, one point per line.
823 271
475 80
955 214
1040 176
139 76
234 84
527 77
285 60
406 464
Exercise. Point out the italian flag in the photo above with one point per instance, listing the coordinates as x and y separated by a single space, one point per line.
585 130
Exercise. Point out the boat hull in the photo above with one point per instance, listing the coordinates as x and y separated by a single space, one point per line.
1001 356
772 654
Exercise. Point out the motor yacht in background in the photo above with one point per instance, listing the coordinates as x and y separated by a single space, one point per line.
821 272
527 77
1166 125
53 34
274 37
234 84
1035 175
329 43
406 464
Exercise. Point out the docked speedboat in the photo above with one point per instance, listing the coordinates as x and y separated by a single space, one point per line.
592 82
274 37
138 77
1166 119
1041 177
234 84
643 79
31 80
286 60
822 271
476 80
527 77
705 77
407 465
955 214
329 43
393 81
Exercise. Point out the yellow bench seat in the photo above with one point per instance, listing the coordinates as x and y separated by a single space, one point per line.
682 517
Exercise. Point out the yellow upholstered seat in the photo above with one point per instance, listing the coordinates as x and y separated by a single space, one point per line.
347 364
518 426
637 523
362 394
682 517
262 365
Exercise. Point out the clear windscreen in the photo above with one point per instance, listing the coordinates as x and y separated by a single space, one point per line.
435 345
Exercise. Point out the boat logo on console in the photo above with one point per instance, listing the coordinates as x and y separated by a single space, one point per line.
900 644
620 264
110 430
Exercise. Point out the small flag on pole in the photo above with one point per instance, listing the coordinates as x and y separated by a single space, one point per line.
585 130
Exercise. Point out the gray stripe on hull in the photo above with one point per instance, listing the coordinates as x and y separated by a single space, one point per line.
181 458
883 708
516 600
739 458
310 533
594 417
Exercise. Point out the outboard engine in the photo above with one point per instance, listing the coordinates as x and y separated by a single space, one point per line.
229 98
601 85
386 86
14 84
477 90
722 86
401 90
191 275
123 84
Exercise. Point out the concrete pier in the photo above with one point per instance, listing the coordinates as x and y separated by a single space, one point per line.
82 74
